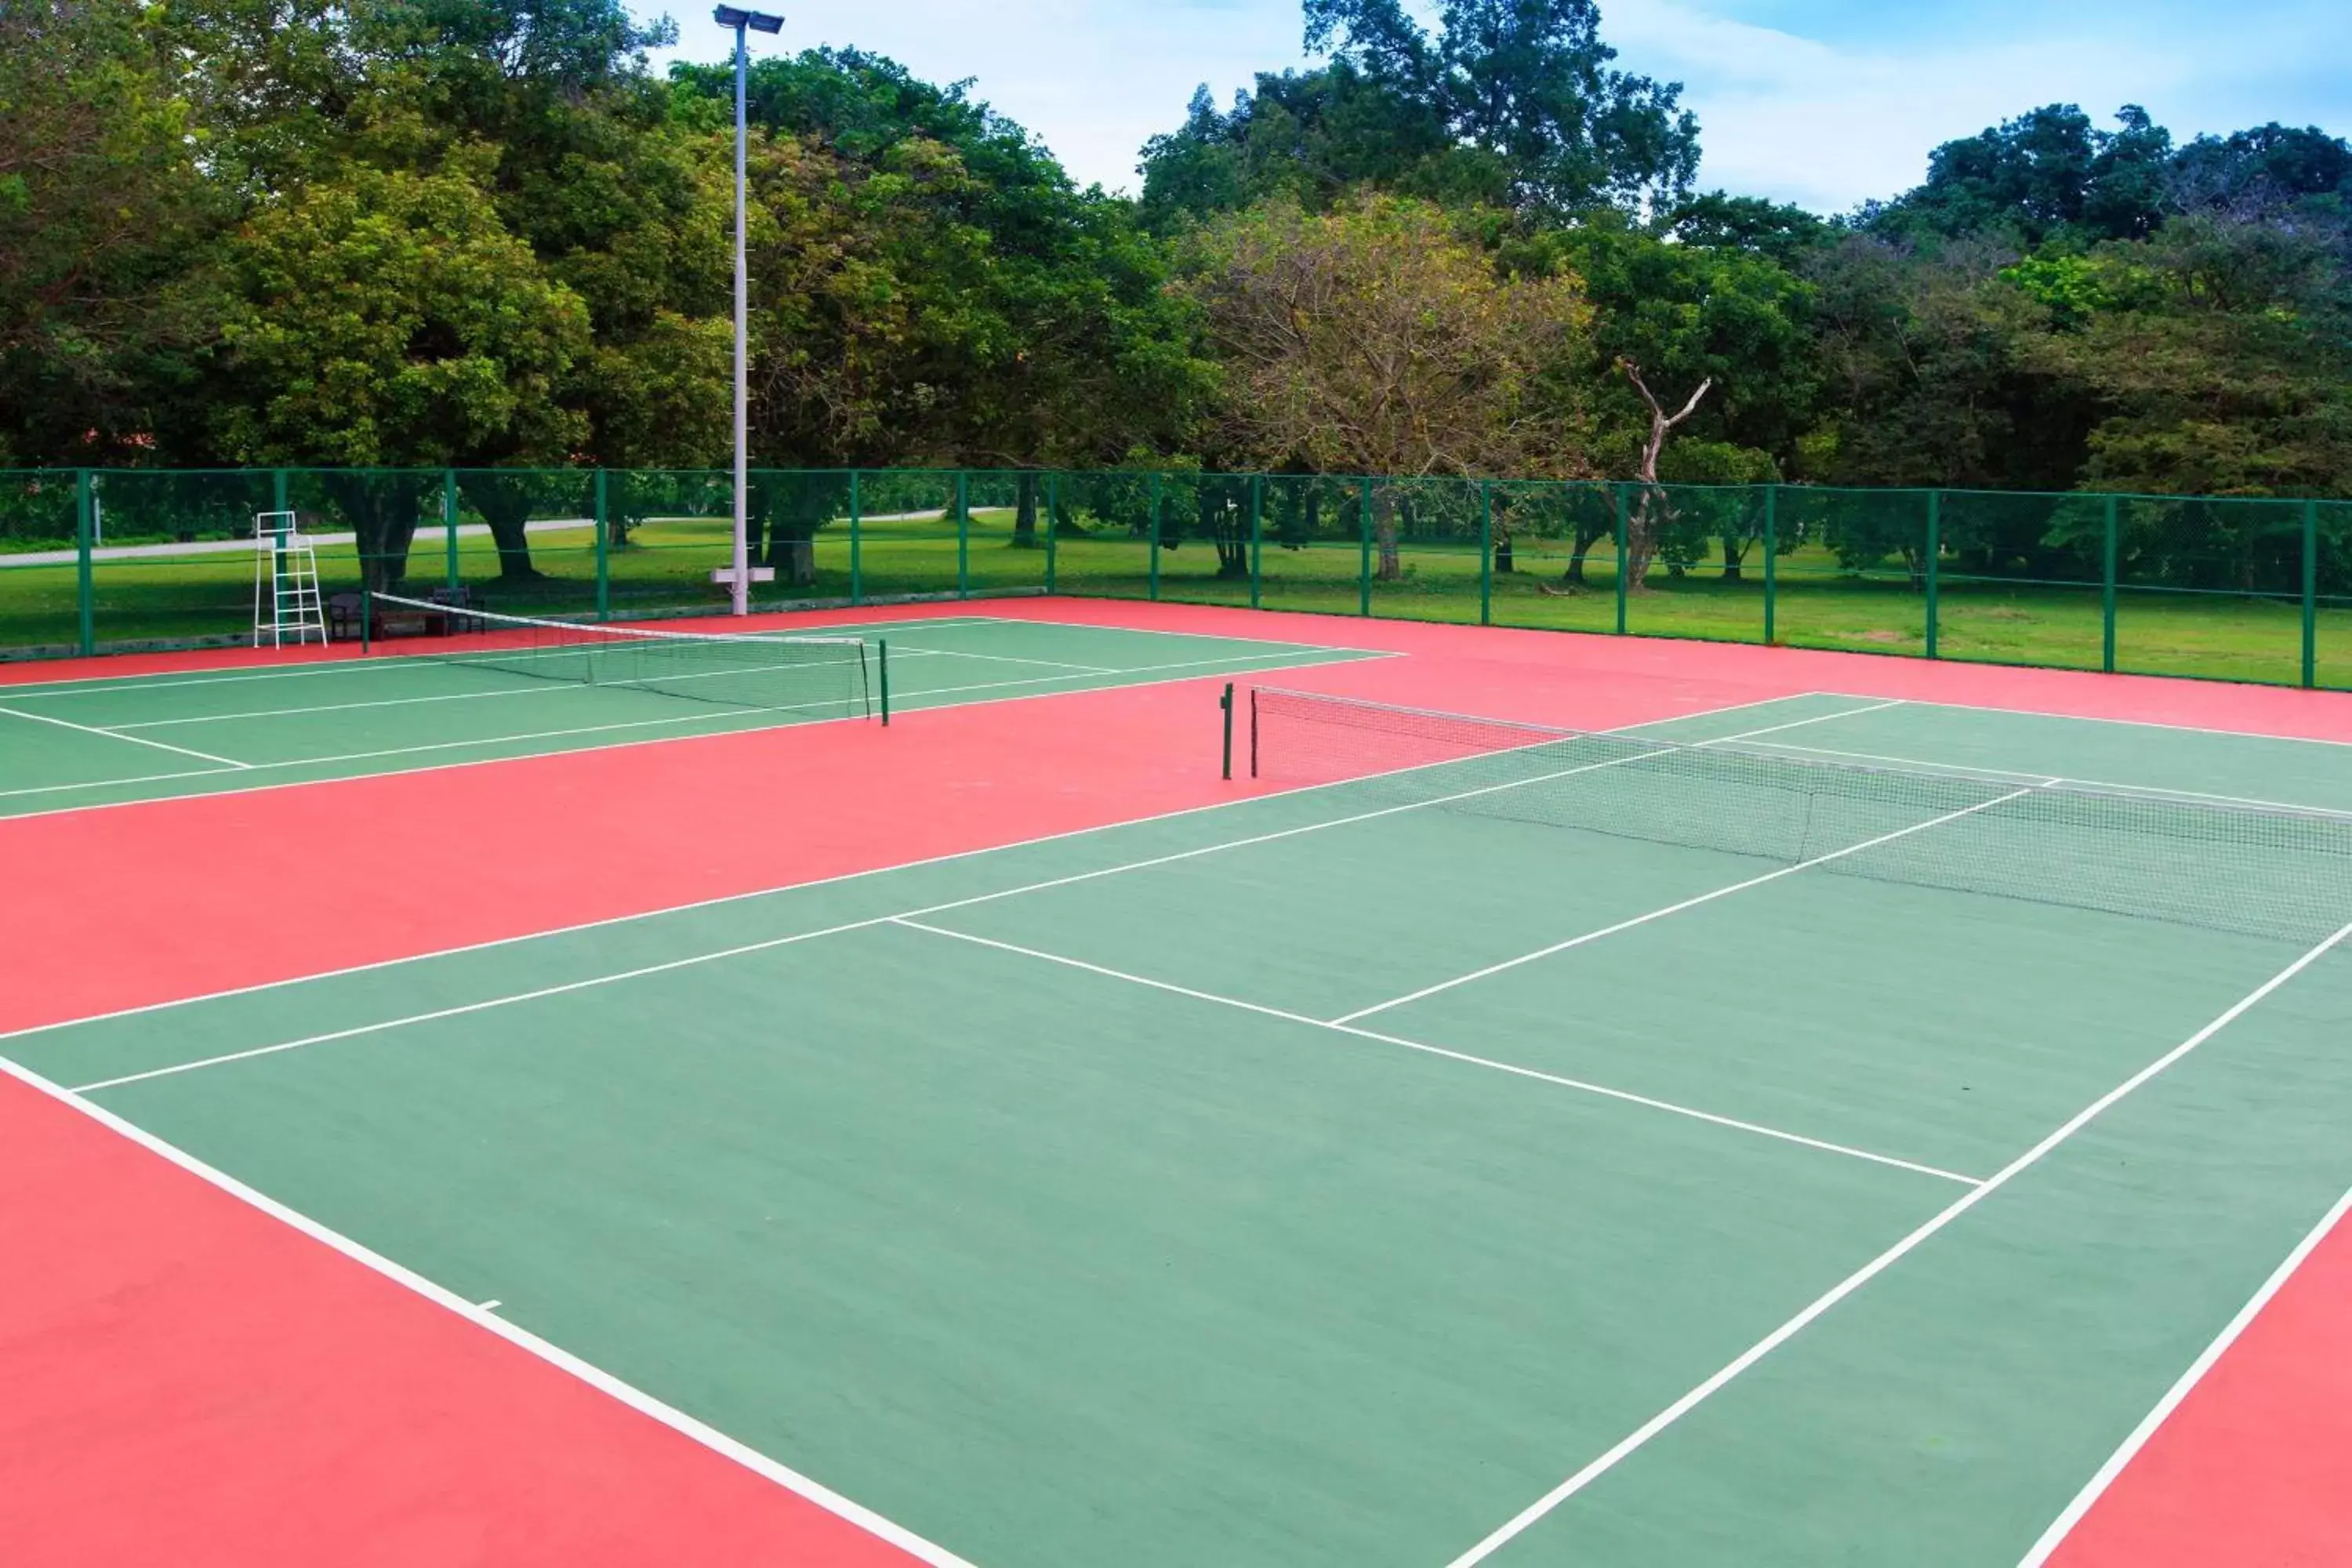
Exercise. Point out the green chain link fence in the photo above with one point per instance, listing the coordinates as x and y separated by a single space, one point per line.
2223 587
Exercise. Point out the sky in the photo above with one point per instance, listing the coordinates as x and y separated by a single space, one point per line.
1822 103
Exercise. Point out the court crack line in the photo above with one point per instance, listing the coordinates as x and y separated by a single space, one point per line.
1489 1063
1643 1434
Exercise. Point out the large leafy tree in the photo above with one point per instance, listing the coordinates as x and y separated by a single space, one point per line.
1511 101
106 218
386 318
1378 339
2047 174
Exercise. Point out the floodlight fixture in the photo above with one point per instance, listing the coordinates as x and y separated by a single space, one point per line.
763 22
728 17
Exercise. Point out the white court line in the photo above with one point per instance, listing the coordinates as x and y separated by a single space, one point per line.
493 664
1512 1069
596 1378
1642 1436
111 735
2130 723
1099 872
911 701
1192 637
1691 903
229 675
2098 1485
2149 792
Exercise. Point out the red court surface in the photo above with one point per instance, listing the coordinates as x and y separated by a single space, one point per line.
190 1380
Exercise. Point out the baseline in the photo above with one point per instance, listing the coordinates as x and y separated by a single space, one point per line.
596 1378
1642 1436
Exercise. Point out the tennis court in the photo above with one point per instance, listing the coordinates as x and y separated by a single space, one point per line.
503 686
1813 1131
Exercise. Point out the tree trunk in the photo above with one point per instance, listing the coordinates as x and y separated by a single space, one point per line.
1587 536
383 511
1025 511
1504 560
794 561
1734 550
504 500
1385 507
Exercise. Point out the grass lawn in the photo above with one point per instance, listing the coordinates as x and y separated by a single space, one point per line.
666 565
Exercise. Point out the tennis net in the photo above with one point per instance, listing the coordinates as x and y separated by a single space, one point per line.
820 677
2265 871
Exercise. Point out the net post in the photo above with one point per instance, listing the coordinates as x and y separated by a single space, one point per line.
2109 550
85 542
1771 561
1257 517
1618 491
1364 562
367 611
2310 594
882 663
1253 737
856 529
1935 556
1158 495
449 522
604 549
1053 506
964 534
1486 553
1226 702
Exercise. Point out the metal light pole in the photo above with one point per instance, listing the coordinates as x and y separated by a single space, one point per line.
738 578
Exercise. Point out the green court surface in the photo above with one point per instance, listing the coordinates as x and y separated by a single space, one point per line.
1373 1173
65 744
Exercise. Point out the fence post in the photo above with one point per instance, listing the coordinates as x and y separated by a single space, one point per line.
1486 553
85 532
2109 550
1771 561
1364 562
2310 593
1159 496
1618 491
1935 565
603 551
1257 517
1052 509
856 528
278 490
964 534
449 522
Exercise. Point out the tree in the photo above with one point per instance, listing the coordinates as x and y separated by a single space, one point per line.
1375 339
105 221
2046 173
387 319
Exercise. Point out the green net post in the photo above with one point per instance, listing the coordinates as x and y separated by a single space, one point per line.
1618 491
964 534
1364 562
278 490
603 550
2110 549
882 664
856 528
85 540
1258 519
2310 594
1935 556
449 522
1485 554
1226 703
1159 494
1772 562
1052 509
